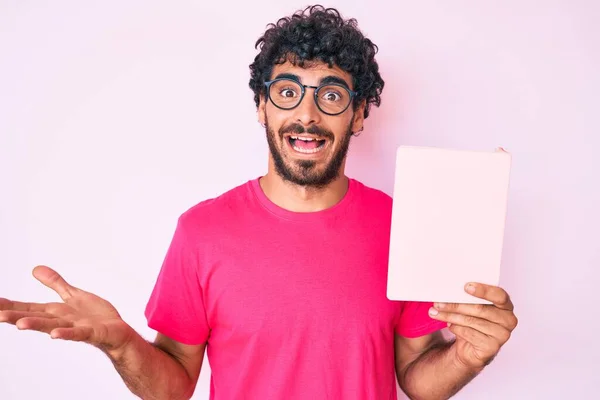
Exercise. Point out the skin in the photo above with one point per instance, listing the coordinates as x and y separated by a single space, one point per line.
430 367
307 198
427 367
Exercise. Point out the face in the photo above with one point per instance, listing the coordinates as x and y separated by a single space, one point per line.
308 147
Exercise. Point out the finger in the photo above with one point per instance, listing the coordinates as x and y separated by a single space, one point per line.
494 294
13 316
42 324
9 305
77 334
490 313
495 331
479 340
54 281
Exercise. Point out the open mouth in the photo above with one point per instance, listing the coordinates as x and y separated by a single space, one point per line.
306 145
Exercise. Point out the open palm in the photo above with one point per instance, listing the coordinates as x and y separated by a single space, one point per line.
82 317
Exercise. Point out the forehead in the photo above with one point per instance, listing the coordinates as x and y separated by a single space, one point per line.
312 72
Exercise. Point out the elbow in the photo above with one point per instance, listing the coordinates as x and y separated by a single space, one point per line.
181 391
414 396
188 393
414 392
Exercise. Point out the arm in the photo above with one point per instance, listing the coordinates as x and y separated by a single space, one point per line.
427 369
165 369
430 367
168 368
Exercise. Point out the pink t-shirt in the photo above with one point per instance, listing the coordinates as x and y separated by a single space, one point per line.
292 305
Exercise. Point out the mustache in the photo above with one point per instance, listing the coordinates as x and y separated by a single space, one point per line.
313 130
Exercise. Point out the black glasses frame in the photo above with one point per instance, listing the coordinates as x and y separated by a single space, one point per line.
303 88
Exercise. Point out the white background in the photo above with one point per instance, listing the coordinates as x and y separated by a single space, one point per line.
116 116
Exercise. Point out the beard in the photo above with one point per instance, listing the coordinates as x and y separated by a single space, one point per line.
307 172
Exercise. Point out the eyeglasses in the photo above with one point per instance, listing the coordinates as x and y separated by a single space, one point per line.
331 98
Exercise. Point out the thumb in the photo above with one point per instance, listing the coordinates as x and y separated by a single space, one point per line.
54 281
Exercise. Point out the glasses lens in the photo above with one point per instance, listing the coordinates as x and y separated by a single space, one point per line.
333 99
285 93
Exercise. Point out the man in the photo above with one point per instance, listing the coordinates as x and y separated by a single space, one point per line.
282 279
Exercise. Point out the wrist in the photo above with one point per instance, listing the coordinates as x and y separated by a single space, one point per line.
127 339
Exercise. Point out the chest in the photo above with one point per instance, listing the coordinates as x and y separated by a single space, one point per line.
331 285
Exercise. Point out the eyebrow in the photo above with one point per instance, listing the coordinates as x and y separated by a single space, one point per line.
325 80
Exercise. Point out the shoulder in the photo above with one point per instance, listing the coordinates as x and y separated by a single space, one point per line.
218 210
371 197
371 207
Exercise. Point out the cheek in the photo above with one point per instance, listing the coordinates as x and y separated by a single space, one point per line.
342 127
274 119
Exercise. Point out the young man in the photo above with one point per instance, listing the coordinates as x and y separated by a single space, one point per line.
282 279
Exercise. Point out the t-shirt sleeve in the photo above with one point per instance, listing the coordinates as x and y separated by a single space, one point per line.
414 320
176 305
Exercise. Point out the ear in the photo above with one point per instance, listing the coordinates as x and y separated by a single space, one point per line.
359 117
261 110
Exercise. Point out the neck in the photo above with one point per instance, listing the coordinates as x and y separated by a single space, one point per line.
298 198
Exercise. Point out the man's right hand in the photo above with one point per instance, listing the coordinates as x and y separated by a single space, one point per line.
83 316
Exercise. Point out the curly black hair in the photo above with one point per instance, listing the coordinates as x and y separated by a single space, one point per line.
319 34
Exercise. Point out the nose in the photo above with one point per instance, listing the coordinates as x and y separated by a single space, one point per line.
307 113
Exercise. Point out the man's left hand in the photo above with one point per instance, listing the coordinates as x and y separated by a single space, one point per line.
480 329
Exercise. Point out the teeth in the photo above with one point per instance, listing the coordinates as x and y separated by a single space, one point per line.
305 139
307 151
